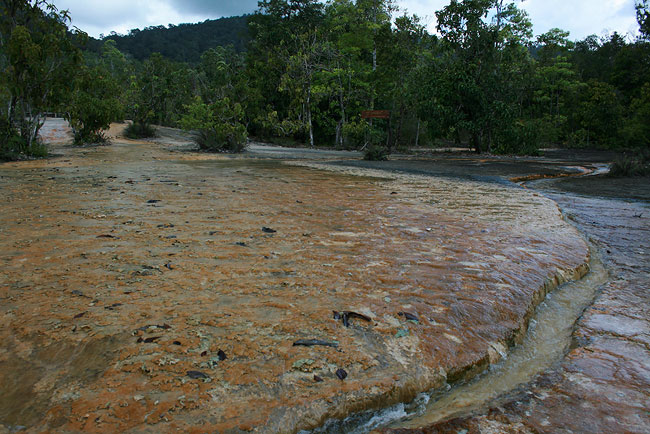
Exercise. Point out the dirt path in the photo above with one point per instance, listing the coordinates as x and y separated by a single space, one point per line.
147 288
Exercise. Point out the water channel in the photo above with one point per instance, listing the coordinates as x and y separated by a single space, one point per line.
547 341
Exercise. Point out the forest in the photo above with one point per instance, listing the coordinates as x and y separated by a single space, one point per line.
307 71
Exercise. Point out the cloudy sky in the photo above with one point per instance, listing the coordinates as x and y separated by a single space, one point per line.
580 17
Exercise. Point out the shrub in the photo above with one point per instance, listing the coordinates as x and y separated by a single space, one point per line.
521 138
93 106
14 147
218 126
637 164
355 133
139 130
376 153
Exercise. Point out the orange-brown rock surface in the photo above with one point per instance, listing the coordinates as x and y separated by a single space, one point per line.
603 383
125 267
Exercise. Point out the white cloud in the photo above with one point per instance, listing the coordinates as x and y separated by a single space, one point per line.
583 17
100 16
580 17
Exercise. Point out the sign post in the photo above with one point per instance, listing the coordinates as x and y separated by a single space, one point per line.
377 114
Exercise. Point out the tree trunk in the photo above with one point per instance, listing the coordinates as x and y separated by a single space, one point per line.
341 125
398 134
338 140
476 142
308 114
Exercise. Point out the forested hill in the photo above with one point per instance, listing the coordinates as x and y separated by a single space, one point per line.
185 42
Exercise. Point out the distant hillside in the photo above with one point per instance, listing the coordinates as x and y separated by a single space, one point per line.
185 42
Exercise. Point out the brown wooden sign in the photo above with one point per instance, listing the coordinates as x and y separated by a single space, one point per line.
375 114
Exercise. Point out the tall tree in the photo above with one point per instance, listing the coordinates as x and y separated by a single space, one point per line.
481 76
556 83
643 17
93 105
38 55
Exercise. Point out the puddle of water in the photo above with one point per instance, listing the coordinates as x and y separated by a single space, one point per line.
546 342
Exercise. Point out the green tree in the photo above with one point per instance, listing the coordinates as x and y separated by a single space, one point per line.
481 76
347 77
218 126
553 44
556 84
38 58
159 89
94 105
637 127
643 17
599 115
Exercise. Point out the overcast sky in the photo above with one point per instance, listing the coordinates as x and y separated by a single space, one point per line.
580 17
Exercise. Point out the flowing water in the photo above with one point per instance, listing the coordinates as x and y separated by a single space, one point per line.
548 339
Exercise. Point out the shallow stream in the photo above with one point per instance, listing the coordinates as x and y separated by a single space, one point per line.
547 341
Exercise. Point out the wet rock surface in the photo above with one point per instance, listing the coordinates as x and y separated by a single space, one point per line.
140 293
603 383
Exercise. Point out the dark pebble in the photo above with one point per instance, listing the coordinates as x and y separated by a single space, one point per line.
177 342
196 375
314 342
221 355
153 201
318 379
341 374
409 316
268 230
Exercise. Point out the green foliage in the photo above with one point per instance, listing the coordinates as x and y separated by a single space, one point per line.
356 133
480 78
557 85
521 138
600 115
14 147
312 67
217 126
38 56
93 106
637 125
631 164
643 17
137 130
376 152
183 42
